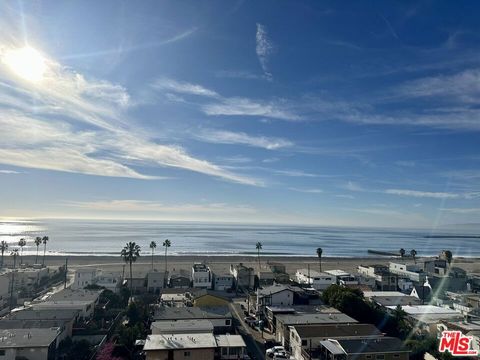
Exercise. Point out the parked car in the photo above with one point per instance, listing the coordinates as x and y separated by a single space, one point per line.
276 350
250 320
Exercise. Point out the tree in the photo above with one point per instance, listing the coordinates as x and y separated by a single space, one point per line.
38 242
153 246
166 244
402 253
130 254
44 241
22 242
3 248
413 254
319 254
448 256
14 254
259 247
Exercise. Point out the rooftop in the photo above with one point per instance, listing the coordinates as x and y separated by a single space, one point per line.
230 341
337 272
184 313
315 318
369 294
426 309
31 324
176 326
377 345
176 341
336 330
27 338
30 314
75 295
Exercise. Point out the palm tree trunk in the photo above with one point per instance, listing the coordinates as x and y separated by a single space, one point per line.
44 251
320 263
166 261
36 257
152 259
2 259
131 278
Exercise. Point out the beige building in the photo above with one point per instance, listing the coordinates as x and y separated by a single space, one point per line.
180 347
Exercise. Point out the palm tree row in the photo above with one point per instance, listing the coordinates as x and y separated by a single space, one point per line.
131 252
22 243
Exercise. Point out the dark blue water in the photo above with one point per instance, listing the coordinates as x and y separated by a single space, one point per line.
108 237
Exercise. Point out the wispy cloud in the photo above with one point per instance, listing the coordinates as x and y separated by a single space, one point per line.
9 172
422 194
69 122
182 87
308 191
294 173
229 137
264 49
462 210
217 104
238 74
405 163
129 205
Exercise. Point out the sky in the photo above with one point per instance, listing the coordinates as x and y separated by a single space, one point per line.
292 112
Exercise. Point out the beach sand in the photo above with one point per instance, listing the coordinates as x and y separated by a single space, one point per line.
221 264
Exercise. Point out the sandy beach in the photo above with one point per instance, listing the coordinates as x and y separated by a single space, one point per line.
221 264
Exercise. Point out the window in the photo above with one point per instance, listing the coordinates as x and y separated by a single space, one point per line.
396 355
304 342
2 352
186 354
380 357
368 356
228 322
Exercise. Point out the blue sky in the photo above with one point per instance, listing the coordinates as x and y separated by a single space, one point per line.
308 112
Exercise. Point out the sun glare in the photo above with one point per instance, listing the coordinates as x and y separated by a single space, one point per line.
26 63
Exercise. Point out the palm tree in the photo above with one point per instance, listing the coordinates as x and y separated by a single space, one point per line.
14 254
3 248
402 253
166 244
130 254
38 242
319 254
448 256
22 242
153 246
259 247
413 254
44 241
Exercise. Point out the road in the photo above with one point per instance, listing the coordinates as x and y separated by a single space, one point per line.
253 345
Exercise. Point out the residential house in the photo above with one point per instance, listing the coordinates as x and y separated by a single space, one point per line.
342 277
315 279
182 326
391 298
411 271
222 282
201 276
156 281
230 347
32 344
198 346
209 298
380 274
284 322
82 300
305 338
380 348
220 317
244 277
179 281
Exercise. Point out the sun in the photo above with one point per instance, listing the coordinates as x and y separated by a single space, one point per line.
26 62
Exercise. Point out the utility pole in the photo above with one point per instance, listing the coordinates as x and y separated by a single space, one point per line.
66 273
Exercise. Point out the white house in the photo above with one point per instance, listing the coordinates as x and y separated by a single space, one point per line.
315 279
32 344
88 276
222 282
275 295
201 276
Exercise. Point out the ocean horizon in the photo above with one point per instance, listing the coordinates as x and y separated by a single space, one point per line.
107 237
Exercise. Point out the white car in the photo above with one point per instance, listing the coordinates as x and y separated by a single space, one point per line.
275 351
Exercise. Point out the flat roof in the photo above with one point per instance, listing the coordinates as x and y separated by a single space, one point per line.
180 341
369 294
31 324
332 347
313 272
27 338
377 345
44 314
336 330
315 318
337 272
396 300
230 341
174 326
75 295
183 313
426 309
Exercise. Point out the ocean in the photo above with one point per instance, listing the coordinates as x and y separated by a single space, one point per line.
89 237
